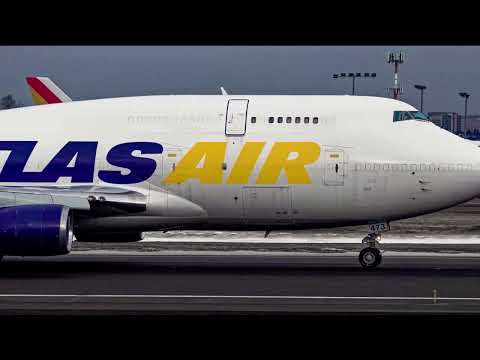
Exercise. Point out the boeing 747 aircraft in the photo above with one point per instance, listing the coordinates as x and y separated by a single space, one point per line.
122 166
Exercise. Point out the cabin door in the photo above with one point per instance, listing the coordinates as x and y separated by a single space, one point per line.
171 157
236 117
335 166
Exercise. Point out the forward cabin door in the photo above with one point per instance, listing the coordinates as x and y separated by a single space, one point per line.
236 118
335 167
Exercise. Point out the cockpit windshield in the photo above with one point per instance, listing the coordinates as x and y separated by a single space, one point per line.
409 115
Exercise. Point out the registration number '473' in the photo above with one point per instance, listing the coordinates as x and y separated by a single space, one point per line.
379 227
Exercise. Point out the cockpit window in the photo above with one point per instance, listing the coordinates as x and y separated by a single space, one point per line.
420 116
409 115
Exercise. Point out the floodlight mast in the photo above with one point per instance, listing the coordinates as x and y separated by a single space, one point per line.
353 76
421 88
464 95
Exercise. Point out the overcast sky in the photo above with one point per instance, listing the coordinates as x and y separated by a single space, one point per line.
100 72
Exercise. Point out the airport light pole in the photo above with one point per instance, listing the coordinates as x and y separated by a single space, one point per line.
353 76
421 88
465 95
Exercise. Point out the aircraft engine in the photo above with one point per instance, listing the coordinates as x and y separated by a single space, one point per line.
35 230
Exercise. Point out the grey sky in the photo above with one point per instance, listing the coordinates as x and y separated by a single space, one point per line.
100 72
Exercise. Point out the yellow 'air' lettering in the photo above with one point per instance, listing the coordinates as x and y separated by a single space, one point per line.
245 163
213 154
308 152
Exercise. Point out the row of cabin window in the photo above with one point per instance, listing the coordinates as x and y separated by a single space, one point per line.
288 120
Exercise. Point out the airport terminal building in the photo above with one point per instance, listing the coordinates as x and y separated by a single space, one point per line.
455 123
450 121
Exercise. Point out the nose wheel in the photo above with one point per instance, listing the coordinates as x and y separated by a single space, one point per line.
370 257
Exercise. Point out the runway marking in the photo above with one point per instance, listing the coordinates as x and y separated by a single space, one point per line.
250 297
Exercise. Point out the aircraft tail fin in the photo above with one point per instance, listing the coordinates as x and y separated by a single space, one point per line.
45 91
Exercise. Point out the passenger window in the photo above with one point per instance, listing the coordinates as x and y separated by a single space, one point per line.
289 119
315 120
254 120
280 119
297 120
306 120
271 119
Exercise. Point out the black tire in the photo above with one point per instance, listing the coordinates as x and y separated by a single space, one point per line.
370 258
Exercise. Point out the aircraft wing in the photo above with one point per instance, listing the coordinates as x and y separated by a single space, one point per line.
94 199
104 201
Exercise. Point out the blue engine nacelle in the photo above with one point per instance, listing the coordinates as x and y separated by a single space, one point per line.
35 230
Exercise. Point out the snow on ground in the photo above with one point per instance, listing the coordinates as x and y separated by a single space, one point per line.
338 240
457 225
292 238
270 253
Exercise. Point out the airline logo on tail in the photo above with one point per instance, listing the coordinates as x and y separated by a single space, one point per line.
44 91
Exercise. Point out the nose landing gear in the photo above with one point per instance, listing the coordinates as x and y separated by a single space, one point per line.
370 257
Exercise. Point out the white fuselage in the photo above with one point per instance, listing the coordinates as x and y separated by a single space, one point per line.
368 168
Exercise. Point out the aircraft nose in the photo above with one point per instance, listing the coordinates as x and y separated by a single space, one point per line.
466 170
449 171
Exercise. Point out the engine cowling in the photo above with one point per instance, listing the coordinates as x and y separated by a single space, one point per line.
35 230
109 237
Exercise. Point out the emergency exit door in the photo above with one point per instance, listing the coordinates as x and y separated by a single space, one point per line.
236 117
334 167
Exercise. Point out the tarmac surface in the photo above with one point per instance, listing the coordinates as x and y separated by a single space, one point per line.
238 284
431 265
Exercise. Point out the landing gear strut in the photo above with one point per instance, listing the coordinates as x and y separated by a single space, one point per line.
370 257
